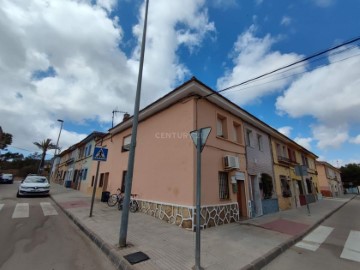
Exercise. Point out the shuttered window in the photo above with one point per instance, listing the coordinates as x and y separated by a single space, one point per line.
126 143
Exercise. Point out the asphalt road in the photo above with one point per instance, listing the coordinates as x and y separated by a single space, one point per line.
35 234
335 244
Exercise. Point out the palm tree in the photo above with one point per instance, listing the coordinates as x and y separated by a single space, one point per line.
44 146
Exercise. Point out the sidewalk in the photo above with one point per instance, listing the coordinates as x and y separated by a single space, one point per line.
245 245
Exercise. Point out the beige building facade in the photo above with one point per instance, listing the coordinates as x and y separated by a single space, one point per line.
329 179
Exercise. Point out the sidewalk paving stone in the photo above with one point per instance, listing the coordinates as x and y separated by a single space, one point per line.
248 244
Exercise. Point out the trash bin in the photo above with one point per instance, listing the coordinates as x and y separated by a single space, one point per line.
105 196
68 184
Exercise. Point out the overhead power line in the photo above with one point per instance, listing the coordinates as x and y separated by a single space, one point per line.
289 65
288 76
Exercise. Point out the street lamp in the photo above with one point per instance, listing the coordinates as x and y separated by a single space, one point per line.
57 143
130 171
57 147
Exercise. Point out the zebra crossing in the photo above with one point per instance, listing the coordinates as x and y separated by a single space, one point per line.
313 241
22 210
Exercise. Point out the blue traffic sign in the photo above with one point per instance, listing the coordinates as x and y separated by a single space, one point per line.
100 154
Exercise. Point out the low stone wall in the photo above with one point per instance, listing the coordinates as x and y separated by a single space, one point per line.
184 216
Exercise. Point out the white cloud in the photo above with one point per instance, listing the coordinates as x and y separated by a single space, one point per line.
330 137
91 75
286 20
324 3
107 4
166 32
252 56
304 142
356 139
329 94
285 130
259 2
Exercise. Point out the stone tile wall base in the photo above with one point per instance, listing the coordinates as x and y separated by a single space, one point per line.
185 217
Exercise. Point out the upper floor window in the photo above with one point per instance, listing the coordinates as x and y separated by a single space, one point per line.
311 163
249 137
88 150
237 132
278 149
126 143
304 160
81 153
84 174
260 142
292 155
221 129
281 150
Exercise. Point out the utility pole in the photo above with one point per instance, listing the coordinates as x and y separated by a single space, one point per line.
130 171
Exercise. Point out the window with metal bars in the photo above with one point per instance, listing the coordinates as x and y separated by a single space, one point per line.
223 185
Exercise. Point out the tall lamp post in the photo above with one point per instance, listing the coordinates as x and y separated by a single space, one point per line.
130 171
57 142
57 147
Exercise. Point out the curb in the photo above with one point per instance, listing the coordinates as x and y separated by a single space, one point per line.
119 262
275 252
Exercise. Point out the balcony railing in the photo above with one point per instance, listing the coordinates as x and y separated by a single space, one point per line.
69 161
286 160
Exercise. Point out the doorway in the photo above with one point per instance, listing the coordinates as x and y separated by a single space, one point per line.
241 198
105 183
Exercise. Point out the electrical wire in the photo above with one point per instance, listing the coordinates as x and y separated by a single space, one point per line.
292 75
289 65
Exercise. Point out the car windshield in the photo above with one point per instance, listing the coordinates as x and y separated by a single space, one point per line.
34 179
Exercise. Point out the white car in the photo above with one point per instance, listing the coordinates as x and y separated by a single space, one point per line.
6 178
34 185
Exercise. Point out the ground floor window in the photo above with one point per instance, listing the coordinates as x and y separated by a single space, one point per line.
285 187
266 185
301 189
223 185
309 185
101 182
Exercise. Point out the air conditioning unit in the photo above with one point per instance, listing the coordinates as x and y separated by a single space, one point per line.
231 162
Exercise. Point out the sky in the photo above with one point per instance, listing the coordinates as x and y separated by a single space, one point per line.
78 60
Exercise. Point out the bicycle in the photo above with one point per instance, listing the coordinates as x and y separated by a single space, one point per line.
118 197
133 205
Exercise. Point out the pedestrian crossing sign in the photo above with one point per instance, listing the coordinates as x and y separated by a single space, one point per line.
100 154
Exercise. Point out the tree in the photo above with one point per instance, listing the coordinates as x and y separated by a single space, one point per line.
5 140
11 156
44 146
350 173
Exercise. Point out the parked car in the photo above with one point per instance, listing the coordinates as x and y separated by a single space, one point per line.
34 185
6 178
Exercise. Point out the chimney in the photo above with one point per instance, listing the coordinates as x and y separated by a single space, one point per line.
126 117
